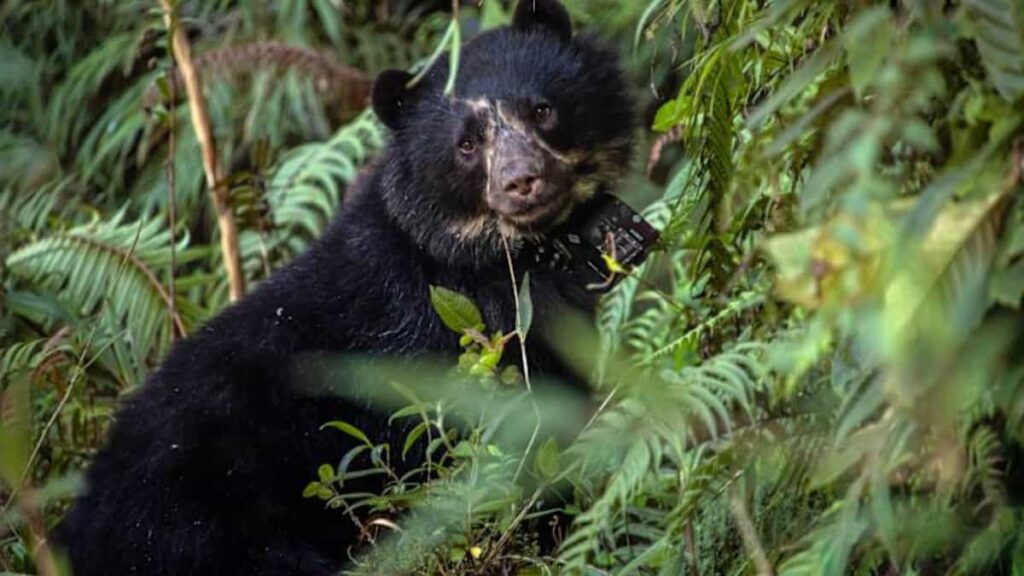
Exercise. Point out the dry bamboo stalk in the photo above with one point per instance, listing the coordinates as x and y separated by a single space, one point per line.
211 166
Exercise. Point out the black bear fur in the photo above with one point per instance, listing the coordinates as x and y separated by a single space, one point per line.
204 468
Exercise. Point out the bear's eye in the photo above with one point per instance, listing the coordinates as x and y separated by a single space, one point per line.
467 146
541 113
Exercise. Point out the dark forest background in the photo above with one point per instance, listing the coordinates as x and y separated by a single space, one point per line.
819 371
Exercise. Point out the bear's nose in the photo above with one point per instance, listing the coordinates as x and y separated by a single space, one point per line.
524 185
520 179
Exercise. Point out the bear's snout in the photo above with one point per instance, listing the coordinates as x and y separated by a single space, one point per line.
520 188
521 179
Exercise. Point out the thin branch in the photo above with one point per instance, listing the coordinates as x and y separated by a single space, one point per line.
172 217
749 534
515 297
526 364
42 553
182 51
496 549
671 137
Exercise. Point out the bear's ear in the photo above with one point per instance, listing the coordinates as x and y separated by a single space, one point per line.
547 14
390 96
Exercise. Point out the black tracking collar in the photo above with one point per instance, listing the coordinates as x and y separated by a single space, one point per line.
606 226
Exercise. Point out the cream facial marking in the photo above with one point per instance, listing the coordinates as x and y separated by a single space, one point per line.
507 119
498 118
481 226
476 104
472 227
485 108
609 161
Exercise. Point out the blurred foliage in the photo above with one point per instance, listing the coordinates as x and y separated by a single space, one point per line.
819 372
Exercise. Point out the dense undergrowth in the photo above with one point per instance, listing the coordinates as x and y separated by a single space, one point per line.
819 371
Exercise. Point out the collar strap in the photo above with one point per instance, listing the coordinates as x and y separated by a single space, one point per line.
605 226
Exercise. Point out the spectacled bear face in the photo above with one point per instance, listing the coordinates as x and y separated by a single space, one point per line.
538 122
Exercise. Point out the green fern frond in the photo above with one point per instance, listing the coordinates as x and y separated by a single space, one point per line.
674 416
1000 36
20 356
112 267
593 525
828 546
30 212
68 116
309 179
615 308
305 188
985 467
689 340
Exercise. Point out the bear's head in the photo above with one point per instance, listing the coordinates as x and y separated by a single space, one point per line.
539 121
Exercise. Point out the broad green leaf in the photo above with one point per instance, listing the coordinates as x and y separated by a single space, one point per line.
667 116
405 412
1007 285
1007 282
348 429
463 450
311 489
412 437
492 15
955 258
866 42
349 457
792 255
547 460
456 311
525 318
326 473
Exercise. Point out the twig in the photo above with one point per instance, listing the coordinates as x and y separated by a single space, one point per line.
211 166
526 364
691 547
515 297
604 404
41 551
749 534
496 549
172 217
671 137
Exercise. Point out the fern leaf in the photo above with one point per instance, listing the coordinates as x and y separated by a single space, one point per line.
113 267
999 33
306 186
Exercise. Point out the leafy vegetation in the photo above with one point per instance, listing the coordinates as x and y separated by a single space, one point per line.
819 371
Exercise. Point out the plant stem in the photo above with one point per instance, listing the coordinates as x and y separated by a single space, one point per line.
182 51
526 364
748 533
172 218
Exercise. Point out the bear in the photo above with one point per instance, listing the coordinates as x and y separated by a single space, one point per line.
204 468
